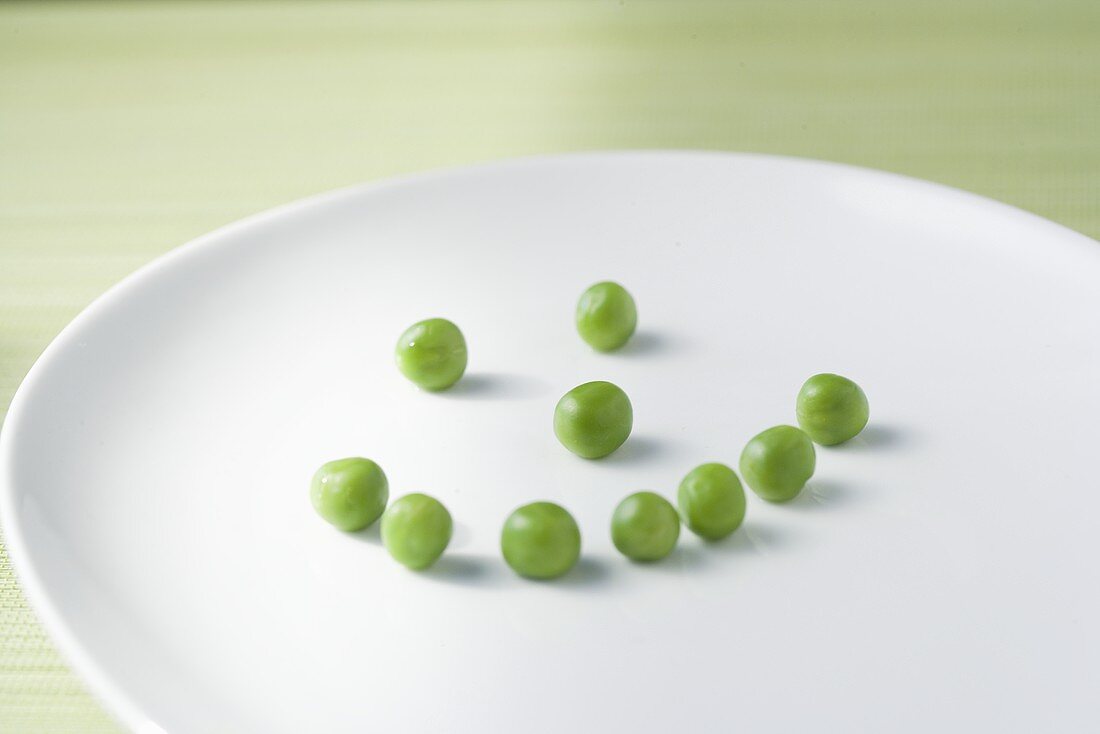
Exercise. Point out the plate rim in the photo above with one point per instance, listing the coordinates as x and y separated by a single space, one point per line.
113 696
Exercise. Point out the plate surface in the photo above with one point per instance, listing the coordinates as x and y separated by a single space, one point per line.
938 574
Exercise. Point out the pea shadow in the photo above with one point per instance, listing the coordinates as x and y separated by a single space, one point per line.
636 450
497 386
588 573
649 344
754 538
823 494
684 558
483 572
477 571
371 534
877 436
463 570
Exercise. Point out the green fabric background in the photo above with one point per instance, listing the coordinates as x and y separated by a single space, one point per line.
129 128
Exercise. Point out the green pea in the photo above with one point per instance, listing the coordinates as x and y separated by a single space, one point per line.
432 354
831 409
606 316
541 541
777 463
349 493
593 419
711 501
645 527
416 530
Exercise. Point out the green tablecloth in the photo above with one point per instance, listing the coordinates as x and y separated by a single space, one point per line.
129 128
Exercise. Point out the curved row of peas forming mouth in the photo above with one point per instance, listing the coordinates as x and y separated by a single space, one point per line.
541 540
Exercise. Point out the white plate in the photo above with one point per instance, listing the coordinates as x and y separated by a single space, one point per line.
938 574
